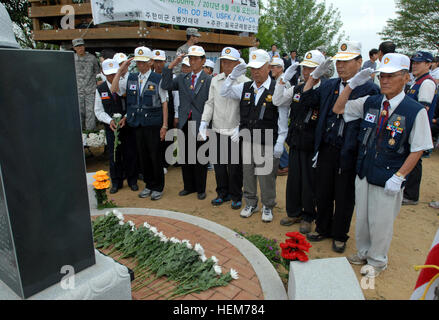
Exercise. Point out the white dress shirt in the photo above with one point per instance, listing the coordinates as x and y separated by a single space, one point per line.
144 78
420 136
435 73
100 113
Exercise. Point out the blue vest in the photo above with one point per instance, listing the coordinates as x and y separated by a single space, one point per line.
144 109
380 157
332 128
413 92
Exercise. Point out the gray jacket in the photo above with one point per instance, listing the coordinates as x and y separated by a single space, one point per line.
190 100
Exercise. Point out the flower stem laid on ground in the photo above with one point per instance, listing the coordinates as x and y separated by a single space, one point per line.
159 257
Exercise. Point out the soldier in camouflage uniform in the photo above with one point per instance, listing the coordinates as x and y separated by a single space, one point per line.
193 37
87 68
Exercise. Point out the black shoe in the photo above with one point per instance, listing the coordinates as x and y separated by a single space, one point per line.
338 246
202 196
185 193
114 189
315 236
134 187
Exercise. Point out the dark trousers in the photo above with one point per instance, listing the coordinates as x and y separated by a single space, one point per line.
194 175
150 155
334 186
300 198
126 156
228 176
413 184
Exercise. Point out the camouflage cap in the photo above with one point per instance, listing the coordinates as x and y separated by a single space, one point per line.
78 42
193 32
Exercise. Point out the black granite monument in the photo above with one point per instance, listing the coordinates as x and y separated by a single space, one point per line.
44 211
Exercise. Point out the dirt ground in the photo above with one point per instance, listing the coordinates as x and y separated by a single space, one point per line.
414 228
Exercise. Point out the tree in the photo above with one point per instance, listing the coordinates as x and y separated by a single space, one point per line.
22 23
302 25
416 25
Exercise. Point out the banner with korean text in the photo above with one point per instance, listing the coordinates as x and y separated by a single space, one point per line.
233 15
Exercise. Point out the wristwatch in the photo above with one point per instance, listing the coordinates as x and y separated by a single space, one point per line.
399 174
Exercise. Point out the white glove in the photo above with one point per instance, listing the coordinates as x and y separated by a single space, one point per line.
393 185
238 71
361 78
235 135
203 130
290 72
278 150
321 69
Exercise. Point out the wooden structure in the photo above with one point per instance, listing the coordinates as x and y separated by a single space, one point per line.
124 36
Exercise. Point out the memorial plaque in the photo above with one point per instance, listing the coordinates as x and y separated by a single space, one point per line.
44 211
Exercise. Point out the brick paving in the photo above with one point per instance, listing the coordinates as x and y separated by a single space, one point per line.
247 287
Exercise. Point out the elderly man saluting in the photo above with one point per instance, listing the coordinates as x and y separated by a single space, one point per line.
224 114
394 133
258 112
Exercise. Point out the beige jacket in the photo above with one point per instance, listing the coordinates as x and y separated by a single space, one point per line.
223 112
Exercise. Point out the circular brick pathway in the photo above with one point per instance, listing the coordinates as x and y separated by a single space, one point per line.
247 287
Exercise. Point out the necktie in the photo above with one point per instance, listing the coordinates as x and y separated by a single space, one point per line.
141 78
384 116
194 76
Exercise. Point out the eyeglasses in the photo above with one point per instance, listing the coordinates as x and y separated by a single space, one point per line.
389 75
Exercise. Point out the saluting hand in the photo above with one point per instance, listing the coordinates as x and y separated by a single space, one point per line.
321 69
125 65
361 78
177 60
290 72
238 71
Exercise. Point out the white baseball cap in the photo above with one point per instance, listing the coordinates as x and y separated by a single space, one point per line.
277 62
348 50
159 55
110 66
120 57
186 61
313 59
196 51
209 63
258 58
394 62
230 53
142 54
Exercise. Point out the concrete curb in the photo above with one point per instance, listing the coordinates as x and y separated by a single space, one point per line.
272 286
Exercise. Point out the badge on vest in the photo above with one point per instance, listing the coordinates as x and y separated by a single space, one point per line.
315 115
151 87
370 118
247 96
269 98
133 87
296 98
105 96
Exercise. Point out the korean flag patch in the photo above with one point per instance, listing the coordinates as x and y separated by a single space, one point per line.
104 94
297 97
247 96
133 87
370 118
